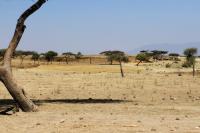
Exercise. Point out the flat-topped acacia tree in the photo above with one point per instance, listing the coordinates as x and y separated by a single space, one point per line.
6 76
67 56
118 56
190 57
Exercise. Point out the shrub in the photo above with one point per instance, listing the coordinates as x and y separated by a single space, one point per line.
167 65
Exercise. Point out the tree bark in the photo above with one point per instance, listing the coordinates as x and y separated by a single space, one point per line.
6 76
17 92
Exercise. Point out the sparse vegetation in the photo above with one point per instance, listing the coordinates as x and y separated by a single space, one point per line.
85 93
78 56
168 65
143 57
190 58
174 56
35 57
69 55
22 54
50 55
118 56
158 54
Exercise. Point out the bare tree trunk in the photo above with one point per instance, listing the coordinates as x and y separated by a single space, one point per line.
193 69
22 60
6 76
90 60
111 62
66 59
17 92
121 69
138 63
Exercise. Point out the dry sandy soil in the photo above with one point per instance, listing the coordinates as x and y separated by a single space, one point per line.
95 99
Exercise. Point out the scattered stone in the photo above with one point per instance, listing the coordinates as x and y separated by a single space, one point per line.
177 119
172 98
62 121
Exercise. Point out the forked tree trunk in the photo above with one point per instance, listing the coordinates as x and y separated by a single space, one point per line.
6 76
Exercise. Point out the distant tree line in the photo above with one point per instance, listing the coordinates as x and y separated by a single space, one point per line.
189 53
118 56
49 56
115 55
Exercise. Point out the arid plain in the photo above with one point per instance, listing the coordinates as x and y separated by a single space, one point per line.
78 98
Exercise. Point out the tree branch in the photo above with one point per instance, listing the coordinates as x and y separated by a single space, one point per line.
20 28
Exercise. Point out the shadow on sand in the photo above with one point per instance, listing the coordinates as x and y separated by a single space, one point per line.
4 102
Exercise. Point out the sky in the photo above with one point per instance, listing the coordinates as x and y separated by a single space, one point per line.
92 26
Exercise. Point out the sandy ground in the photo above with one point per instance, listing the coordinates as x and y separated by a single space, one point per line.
95 99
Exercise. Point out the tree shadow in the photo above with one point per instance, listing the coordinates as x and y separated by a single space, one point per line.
4 102
81 101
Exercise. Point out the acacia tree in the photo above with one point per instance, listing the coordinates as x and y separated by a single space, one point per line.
118 56
22 54
143 56
158 54
6 76
108 54
174 56
190 58
50 55
78 56
67 56
35 57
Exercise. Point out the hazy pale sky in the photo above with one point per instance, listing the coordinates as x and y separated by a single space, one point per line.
91 26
